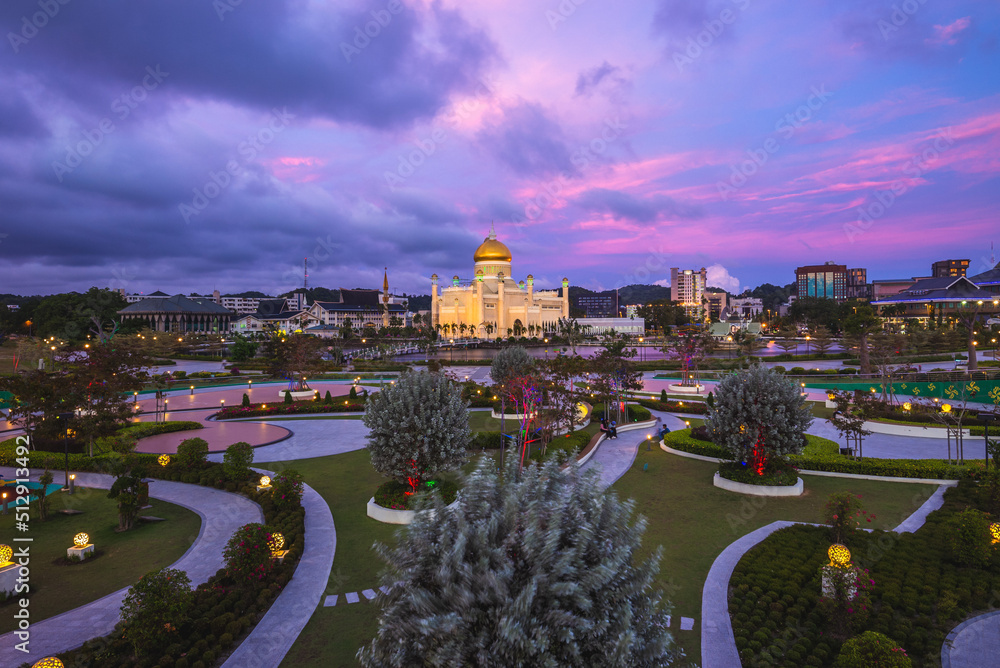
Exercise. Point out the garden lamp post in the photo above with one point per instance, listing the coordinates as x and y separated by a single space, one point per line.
64 419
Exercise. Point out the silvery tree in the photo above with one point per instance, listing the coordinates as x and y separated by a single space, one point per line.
536 569
758 415
418 427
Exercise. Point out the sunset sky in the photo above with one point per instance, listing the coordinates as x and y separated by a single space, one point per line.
188 145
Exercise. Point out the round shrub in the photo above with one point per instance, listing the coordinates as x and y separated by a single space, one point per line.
237 460
154 608
970 540
872 649
247 556
287 489
192 452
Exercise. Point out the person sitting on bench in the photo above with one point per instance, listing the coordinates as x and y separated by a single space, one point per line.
613 430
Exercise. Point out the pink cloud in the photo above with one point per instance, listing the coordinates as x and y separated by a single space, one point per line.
948 35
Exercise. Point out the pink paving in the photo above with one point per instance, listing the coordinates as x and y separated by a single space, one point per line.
220 435
179 399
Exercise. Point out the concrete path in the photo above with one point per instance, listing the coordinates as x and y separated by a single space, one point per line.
614 457
221 514
973 643
274 635
311 438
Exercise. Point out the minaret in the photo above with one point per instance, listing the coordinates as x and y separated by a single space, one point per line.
434 301
385 299
565 298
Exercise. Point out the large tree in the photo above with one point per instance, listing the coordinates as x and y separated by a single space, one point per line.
861 324
537 569
758 416
418 428
690 345
295 357
616 378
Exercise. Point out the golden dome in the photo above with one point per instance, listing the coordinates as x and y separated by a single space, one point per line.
492 250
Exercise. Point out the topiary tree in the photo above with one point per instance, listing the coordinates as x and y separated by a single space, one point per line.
128 488
663 395
237 460
353 394
247 554
246 400
418 427
328 399
537 569
153 610
192 452
288 397
758 416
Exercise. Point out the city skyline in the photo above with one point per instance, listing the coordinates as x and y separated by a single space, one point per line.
215 145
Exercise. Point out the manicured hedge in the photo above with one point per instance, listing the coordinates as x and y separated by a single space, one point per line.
296 408
223 611
125 439
682 440
692 407
918 591
636 412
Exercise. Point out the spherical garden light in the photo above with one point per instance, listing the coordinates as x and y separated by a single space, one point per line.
276 542
48 662
840 556
6 552
946 408
163 460
81 539
994 531
907 406
265 481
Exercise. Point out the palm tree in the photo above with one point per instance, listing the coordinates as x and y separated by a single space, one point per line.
463 328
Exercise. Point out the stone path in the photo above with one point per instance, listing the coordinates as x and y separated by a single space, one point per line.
274 635
221 514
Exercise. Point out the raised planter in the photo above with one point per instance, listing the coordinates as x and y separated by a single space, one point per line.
298 395
392 516
758 490
916 431
686 389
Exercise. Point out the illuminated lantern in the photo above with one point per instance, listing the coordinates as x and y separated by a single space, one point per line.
907 406
265 481
163 460
840 556
831 396
48 662
81 539
276 542
6 552
946 408
994 531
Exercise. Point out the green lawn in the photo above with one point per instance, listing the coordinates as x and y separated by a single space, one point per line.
695 521
126 556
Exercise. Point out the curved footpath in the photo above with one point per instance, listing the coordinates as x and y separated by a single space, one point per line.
221 514
973 643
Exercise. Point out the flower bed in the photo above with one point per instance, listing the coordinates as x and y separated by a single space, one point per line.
918 591
777 477
393 495
223 611
297 408
692 407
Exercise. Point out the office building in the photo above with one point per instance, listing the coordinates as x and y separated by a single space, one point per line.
687 288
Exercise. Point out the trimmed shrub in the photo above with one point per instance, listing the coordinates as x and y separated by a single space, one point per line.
237 460
872 649
328 398
970 541
247 555
154 608
663 395
192 452
246 400
287 489
288 397
353 394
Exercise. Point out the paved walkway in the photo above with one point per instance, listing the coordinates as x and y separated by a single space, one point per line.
973 643
221 514
310 438
274 635
219 435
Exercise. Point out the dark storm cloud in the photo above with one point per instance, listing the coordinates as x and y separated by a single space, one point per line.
645 210
528 142
260 54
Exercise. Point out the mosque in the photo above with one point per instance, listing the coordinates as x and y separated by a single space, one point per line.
493 302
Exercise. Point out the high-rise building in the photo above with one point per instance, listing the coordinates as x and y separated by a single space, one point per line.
827 281
946 268
716 303
687 287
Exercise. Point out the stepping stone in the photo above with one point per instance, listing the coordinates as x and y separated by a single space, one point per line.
669 622
369 594
352 597
687 624
151 518
384 590
71 511
330 601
